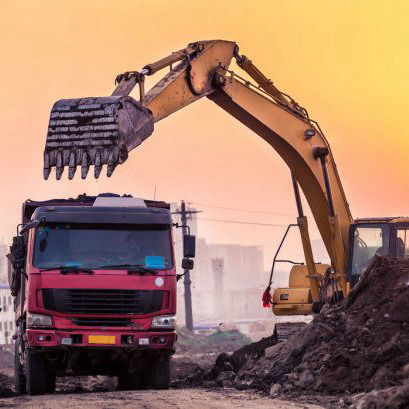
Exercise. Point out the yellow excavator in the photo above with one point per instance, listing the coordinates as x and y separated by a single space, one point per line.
101 131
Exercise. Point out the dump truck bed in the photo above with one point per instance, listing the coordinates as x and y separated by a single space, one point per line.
29 206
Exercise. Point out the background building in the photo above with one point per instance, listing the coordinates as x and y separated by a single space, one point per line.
7 325
3 262
227 281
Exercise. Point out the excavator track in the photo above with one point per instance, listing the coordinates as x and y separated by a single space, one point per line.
94 131
284 330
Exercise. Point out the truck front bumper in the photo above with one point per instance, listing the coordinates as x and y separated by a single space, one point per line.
101 338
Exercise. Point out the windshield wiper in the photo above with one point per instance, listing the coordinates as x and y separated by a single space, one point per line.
132 268
69 270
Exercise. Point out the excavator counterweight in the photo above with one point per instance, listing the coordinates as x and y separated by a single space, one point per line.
94 131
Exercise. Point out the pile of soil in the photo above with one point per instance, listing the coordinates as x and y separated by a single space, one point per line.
74 384
6 385
227 340
6 357
226 366
6 365
359 345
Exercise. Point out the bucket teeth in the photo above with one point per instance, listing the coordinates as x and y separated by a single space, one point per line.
72 166
112 161
84 165
59 167
47 169
94 131
98 165
84 172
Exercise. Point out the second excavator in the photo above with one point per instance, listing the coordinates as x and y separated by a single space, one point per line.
101 131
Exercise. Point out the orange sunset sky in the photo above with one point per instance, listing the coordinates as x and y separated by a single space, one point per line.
346 61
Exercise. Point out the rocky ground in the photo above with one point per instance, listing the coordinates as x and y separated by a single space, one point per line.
170 399
357 351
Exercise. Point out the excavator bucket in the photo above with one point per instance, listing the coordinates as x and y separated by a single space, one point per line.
94 131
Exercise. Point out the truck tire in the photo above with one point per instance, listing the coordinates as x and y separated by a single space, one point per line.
19 378
36 375
129 380
50 387
159 373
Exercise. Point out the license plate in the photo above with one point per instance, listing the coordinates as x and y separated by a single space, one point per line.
102 339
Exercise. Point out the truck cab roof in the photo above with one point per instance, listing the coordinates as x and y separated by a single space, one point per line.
102 215
391 219
83 201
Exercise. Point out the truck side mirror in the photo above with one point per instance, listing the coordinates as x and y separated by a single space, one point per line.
17 252
30 225
189 245
187 264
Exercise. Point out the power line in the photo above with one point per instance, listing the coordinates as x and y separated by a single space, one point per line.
241 222
244 210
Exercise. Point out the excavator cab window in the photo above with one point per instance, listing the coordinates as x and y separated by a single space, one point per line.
368 240
402 243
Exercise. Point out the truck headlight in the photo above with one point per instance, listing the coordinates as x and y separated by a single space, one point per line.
164 321
38 320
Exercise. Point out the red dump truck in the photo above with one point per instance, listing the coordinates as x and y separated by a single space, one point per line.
94 281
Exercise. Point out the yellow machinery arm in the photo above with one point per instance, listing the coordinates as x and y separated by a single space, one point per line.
103 130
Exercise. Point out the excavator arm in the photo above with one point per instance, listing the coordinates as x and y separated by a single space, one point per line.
98 131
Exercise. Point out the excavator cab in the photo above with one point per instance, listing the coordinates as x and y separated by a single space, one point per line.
376 237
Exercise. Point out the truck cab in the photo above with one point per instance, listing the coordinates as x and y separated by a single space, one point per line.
95 286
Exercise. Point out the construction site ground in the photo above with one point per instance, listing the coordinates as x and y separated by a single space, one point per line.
100 392
352 355
199 398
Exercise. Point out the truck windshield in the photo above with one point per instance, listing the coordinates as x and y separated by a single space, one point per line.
369 240
95 246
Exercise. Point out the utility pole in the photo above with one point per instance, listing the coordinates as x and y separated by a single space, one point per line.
186 276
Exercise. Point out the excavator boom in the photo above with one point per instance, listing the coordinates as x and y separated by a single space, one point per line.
99 131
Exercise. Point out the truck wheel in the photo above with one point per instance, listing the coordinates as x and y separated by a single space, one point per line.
19 378
35 372
159 373
129 380
50 382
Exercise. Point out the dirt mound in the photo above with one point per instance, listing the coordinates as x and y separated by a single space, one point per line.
6 365
395 397
228 340
6 385
6 357
74 384
226 366
359 345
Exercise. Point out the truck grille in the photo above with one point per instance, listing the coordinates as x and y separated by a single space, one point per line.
102 322
84 301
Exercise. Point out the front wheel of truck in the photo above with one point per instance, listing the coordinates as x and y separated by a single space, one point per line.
129 380
50 388
19 378
36 375
159 373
